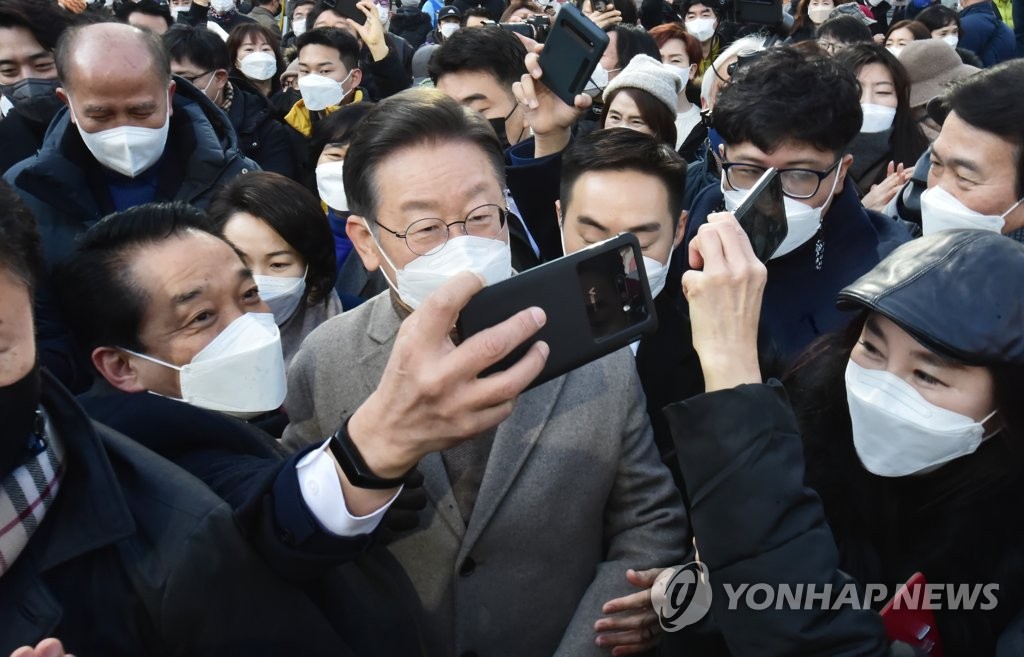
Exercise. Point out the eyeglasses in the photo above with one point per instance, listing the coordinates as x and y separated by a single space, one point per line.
796 183
831 47
428 236
192 79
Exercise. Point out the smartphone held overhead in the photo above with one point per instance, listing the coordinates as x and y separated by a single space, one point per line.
571 53
597 301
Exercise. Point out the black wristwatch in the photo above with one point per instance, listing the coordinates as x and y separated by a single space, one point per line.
353 465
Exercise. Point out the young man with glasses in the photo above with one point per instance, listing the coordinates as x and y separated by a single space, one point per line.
534 523
798 113
201 57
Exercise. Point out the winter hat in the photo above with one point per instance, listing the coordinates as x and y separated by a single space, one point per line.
931 65
420 60
852 9
449 11
648 74
940 288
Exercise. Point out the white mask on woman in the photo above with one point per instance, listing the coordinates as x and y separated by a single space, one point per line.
282 293
819 15
258 66
877 118
897 432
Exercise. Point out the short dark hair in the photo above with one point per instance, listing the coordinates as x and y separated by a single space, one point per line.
990 101
845 29
319 7
292 6
20 250
69 40
488 49
787 96
44 19
241 32
655 113
337 128
633 40
479 11
908 141
148 7
622 149
98 296
332 37
293 213
411 118
198 45
937 17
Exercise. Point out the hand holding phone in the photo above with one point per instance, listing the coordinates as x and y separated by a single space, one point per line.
596 300
762 215
571 53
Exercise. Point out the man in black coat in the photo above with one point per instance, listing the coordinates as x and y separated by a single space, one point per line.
129 136
201 57
28 77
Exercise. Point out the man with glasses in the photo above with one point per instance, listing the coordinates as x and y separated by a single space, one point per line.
201 57
798 114
530 525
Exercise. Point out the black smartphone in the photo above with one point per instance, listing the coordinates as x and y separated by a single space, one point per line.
762 214
571 53
597 300
347 8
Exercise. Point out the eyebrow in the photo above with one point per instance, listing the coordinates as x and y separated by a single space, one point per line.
472 98
871 326
935 360
431 206
274 254
244 273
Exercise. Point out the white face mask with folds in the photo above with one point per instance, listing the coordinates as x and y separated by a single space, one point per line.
489 258
877 118
940 210
282 293
222 6
241 372
802 221
330 183
897 432
701 29
258 66
128 150
319 92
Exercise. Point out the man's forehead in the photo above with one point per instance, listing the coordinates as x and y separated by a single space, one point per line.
189 254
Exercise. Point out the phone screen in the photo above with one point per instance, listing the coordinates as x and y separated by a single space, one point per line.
612 292
762 215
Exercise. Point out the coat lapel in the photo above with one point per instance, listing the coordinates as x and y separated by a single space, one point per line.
382 329
513 442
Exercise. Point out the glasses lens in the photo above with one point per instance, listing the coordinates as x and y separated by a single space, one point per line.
485 221
743 177
800 184
426 236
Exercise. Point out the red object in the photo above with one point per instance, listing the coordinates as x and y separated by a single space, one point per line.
909 618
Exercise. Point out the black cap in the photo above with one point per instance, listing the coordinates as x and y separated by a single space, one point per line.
958 292
449 11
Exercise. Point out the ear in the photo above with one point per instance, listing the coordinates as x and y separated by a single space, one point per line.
117 368
63 95
357 77
170 97
680 231
693 74
363 242
844 166
558 213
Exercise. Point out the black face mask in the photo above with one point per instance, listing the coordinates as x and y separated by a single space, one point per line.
499 128
18 405
35 99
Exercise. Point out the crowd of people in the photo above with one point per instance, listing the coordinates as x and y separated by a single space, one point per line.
235 236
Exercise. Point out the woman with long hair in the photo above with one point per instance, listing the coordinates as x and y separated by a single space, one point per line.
889 133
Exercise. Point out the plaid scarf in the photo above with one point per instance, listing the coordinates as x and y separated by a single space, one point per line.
26 494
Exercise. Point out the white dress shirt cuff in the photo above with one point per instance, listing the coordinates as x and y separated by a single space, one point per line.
321 491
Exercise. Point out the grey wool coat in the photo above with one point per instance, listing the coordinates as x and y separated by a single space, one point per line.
573 495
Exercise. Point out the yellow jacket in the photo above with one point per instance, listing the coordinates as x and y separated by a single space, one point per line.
298 115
